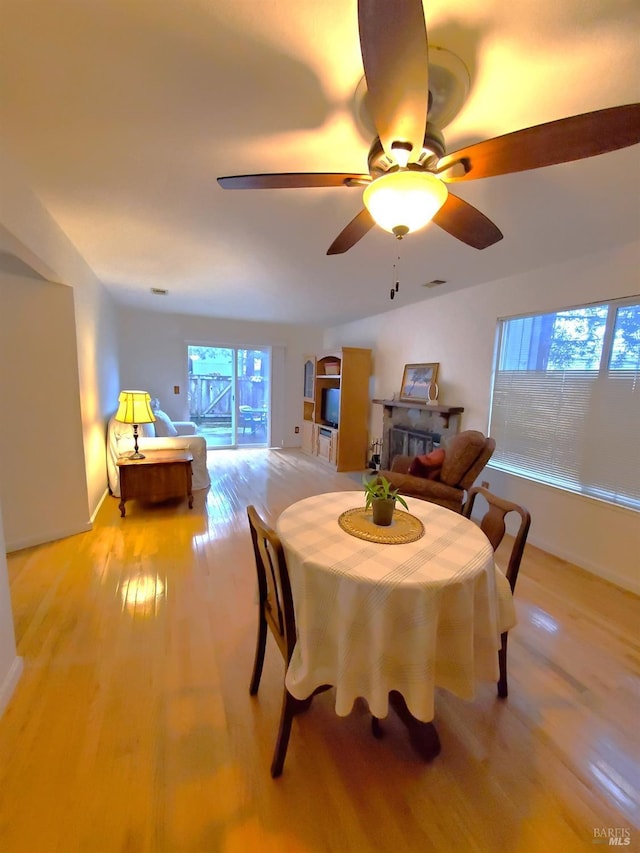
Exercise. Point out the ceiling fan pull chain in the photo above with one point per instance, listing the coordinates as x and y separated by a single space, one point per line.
395 280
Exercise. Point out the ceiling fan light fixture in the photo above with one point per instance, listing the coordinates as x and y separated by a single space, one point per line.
406 199
401 151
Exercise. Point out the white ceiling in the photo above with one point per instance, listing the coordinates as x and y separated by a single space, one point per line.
122 113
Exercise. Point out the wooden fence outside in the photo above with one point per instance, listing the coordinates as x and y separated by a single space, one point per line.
211 397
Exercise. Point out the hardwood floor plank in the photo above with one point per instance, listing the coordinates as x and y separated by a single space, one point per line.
132 728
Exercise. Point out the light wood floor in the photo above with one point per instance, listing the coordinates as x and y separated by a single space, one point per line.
132 728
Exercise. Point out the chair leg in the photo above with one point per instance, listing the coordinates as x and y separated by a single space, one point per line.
289 708
422 736
503 690
259 659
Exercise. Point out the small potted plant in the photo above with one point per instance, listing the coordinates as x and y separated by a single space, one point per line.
381 497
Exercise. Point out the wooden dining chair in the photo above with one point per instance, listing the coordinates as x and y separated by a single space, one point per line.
493 525
276 613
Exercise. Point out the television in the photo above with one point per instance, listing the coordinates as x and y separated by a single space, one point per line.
330 406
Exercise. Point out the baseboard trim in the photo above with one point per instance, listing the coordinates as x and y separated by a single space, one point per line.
41 539
622 581
97 509
9 683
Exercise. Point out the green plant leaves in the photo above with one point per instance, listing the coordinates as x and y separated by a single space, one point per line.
379 488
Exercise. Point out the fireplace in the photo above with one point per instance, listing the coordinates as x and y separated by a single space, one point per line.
406 442
412 429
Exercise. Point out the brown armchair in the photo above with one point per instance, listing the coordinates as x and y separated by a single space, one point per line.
466 454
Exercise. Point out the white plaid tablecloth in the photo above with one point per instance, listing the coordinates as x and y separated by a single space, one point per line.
373 618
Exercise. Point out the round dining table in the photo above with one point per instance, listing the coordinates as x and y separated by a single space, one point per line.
398 617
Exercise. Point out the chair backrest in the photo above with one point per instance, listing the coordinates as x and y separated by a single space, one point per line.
466 454
485 455
274 589
493 526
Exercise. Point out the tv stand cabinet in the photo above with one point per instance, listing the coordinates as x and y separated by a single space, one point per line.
343 447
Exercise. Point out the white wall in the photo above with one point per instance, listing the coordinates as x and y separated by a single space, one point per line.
87 383
10 663
28 231
99 378
153 357
458 331
43 487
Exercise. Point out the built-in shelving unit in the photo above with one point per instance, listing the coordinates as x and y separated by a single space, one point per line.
345 445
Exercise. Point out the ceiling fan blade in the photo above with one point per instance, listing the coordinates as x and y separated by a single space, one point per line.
293 180
548 144
349 236
462 220
395 55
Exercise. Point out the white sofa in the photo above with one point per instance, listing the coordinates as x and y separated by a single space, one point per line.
164 434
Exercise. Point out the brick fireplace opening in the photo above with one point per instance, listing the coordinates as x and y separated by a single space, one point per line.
406 442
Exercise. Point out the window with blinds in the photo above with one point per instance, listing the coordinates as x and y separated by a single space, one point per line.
565 406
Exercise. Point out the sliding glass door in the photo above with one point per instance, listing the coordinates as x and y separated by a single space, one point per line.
229 394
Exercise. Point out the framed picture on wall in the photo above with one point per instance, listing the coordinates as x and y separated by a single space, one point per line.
417 380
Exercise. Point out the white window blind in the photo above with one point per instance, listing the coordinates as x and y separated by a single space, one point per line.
557 422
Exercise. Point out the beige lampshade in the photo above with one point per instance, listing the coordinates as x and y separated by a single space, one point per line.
134 407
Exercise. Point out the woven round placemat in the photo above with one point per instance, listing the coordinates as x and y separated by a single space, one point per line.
404 527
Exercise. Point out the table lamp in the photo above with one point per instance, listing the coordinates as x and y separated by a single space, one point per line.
134 407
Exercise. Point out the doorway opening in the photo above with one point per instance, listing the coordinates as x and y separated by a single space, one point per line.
229 395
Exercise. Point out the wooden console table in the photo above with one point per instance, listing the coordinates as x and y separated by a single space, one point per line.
160 475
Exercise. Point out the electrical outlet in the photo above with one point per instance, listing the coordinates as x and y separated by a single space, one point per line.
485 484
297 430
176 389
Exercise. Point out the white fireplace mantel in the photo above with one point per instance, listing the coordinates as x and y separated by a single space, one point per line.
443 411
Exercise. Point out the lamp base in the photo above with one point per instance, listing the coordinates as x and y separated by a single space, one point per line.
136 453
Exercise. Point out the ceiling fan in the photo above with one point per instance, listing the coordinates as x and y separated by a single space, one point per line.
409 168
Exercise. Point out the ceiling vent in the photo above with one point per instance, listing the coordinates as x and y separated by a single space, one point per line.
436 282
159 291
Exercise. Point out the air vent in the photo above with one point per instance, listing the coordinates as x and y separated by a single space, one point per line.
436 282
158 291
